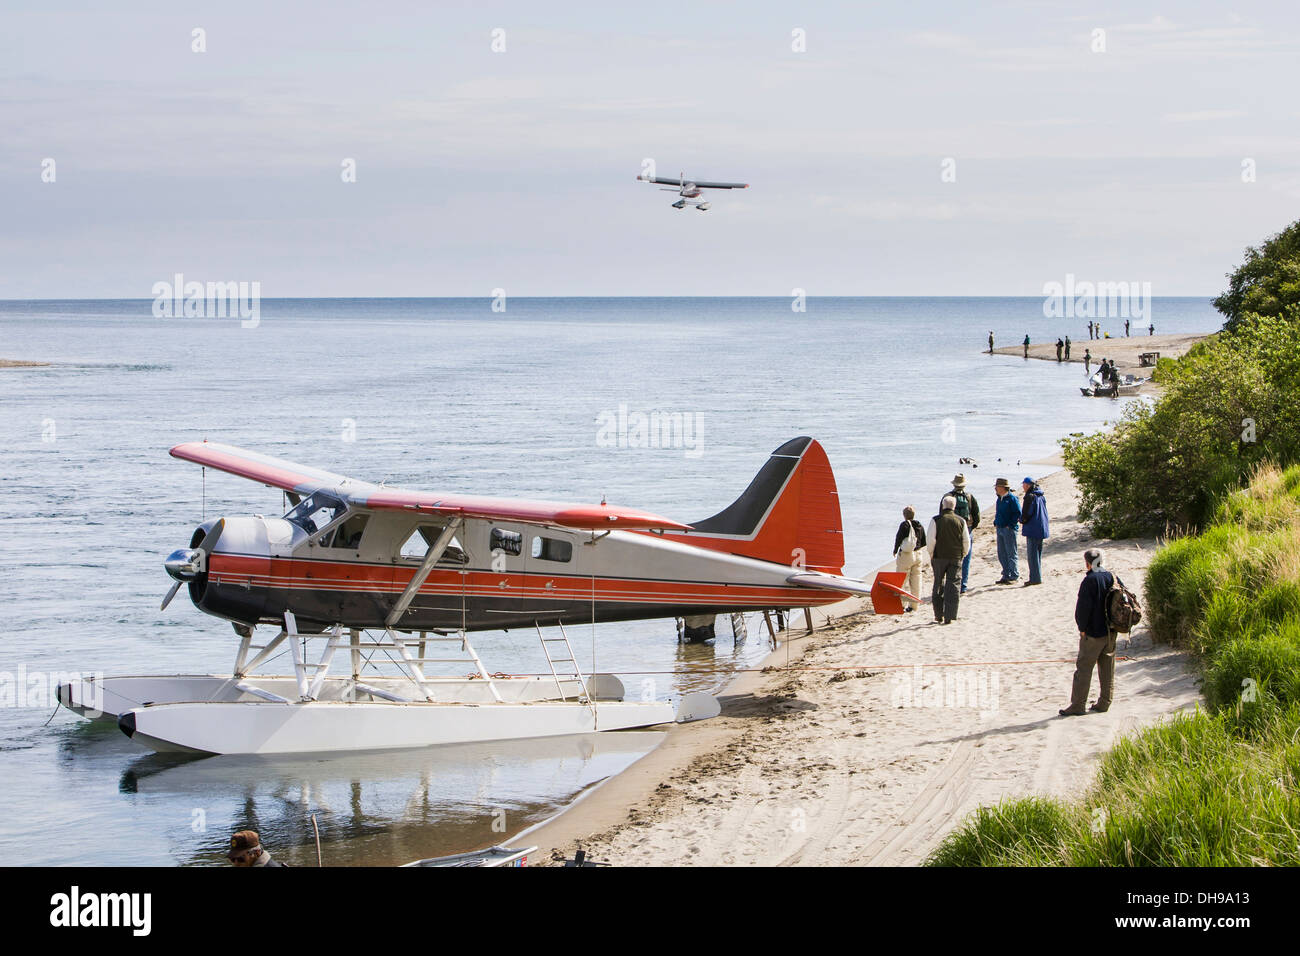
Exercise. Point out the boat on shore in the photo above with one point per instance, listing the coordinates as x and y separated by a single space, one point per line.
492 856
1127 385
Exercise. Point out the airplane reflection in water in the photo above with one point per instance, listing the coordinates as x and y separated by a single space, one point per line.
379 808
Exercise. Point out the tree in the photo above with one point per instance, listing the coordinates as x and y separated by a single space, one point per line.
1267 282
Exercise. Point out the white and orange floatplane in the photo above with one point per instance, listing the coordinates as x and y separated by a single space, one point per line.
391 575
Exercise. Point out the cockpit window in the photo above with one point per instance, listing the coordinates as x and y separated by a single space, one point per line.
316 511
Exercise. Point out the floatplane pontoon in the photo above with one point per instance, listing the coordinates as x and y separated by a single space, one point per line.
383 577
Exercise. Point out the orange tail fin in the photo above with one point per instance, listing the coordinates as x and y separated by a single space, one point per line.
789 514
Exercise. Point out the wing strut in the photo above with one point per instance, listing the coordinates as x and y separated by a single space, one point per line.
421 575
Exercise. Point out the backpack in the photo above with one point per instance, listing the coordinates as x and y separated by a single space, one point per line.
908 544
1123 610
963 506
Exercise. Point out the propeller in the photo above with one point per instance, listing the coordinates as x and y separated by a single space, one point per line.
186 564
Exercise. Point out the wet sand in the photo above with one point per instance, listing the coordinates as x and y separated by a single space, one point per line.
1124 351
853 756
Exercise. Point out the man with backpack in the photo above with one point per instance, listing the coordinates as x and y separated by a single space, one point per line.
968 509
1097 636
909 549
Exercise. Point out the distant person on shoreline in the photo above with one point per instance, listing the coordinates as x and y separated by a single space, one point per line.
1087 362
1096 638
1067 348
1006 522
1026 345
1151 329
968 509
990 341
1090 328
949 544
1060 346
1126 328
1033 525
909 551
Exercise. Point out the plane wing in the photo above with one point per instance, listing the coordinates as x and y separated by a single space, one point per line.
703 184
303 480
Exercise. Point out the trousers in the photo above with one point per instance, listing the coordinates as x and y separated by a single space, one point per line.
1099 651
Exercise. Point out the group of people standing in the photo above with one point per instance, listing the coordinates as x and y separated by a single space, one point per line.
1094 330
947 538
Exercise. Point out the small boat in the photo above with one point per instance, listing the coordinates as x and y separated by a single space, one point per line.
1127 385
492 856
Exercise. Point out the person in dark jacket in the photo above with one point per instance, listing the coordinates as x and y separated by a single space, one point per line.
1034 527
1006 522
968 509
949 542
1026 345
1067 348
909 550
1060 347
1096 638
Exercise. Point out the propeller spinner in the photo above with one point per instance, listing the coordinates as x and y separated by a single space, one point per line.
186 564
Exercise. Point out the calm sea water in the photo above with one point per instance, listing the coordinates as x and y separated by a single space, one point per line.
441 394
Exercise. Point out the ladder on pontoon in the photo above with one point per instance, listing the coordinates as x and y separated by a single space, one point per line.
584 695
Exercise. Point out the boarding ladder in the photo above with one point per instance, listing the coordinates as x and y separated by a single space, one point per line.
584 697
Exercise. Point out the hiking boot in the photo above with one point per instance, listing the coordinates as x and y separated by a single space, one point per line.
1099 707
1069 712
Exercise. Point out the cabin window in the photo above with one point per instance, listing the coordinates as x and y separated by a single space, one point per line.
424 537
552 549
509 542
348 534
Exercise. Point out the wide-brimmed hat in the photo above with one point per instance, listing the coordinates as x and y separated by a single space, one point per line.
959 481
1001 483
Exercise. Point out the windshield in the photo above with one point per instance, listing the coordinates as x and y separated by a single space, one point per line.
316 511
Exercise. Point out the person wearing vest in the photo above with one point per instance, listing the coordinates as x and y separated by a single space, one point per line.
968 509
949 542
1033 525
909 552
1096 638
1006 525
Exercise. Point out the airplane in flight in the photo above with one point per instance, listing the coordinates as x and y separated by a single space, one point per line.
689 191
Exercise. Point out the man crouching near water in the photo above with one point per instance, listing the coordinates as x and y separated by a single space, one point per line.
949 541
1096 638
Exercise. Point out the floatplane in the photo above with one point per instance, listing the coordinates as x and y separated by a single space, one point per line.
386 577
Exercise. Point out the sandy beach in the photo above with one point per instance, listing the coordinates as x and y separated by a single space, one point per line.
1125 351
20 363
884 732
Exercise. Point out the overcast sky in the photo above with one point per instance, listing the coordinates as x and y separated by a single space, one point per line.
479 170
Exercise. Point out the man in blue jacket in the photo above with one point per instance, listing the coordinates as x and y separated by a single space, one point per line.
1096 639
1033 525
1006 522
